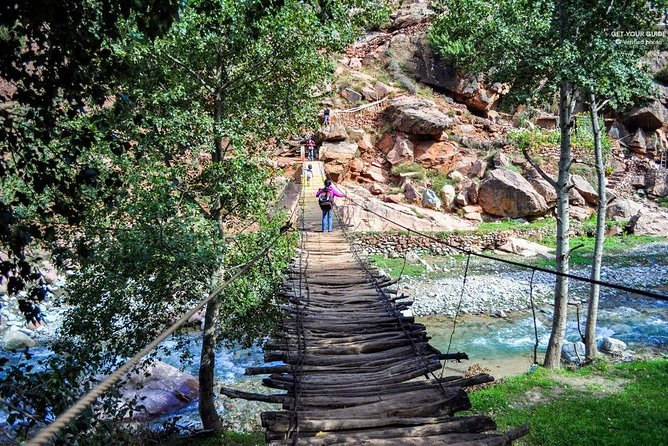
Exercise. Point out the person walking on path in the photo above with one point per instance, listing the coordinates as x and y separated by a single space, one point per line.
309 175
326 197
310 145
325 116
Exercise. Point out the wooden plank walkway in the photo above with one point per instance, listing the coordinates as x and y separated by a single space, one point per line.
355 371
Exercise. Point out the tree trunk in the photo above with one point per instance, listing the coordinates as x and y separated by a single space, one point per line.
594 291
207 367
566 105
207 406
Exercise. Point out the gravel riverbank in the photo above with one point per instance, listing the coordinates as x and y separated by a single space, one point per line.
495 289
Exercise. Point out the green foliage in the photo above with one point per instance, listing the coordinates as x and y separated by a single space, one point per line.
438 179
592 417
513 225
226 439
662 202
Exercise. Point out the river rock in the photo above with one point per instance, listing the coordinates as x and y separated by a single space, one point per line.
17 340
623 209
430 200
613 346
160 388
507 194
652 223
585 189
417 116
573 352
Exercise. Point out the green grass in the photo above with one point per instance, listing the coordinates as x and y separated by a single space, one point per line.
638 414
410 168
511 225
438 180
393 266
225 439
662 202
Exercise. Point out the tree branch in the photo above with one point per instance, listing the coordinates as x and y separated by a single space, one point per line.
540 171
193 72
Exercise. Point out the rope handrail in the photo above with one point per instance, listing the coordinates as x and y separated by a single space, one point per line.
46 435
606 284
361 107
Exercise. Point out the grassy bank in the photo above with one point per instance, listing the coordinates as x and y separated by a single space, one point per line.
606 404
225 439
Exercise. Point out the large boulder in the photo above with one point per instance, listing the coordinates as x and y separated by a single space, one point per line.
331 133
652 223
430 200
575 198
613 346
623 209
160 388
17 340
651 116
401 152
341 151
544 188
525 248
417 116
507 194
436 154
573 352
375 174
411 193
467 88
411 13
586 190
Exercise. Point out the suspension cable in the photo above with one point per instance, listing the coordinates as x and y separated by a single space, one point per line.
519 264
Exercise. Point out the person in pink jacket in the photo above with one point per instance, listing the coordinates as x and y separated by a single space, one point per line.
326 201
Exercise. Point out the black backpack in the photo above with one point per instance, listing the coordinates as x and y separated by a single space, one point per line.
325 200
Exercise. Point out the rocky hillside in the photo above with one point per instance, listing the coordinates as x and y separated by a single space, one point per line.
418 140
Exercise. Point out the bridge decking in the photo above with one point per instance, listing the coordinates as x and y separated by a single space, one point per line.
354 368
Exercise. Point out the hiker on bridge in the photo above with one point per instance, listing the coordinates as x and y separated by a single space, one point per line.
326 197
310 146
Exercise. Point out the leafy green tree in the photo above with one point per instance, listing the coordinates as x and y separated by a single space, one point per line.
527 44
55 65
612 75
547 48
198 106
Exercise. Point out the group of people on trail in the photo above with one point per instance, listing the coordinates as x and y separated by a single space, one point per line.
328 193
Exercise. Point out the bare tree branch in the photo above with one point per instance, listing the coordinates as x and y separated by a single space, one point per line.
540 171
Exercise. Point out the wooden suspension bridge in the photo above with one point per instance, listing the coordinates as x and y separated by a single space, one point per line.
355 369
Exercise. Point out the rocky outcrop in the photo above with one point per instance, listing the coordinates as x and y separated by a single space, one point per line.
622 209
160 388
525 248
448 195
342 151
401 214
417 116
651 116
652 223
331 133
467 88
507 194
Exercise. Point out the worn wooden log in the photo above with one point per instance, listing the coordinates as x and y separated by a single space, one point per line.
232 393
334 431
